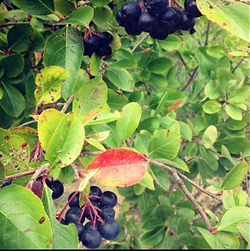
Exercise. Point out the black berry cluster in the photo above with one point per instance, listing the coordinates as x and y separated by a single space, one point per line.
95 220
157 17
99 43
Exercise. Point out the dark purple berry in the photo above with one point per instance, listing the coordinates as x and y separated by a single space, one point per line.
156 6
191 8
73 215
104 51
95 191
57 187
105 38
89 211
147 22
159 33
90 224
108 198
107 212
132 29
80 228
58 27
130 11
109 229
91 238
75 201
171 17
187 21
120 19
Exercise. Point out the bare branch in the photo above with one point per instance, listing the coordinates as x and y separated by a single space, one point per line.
68 102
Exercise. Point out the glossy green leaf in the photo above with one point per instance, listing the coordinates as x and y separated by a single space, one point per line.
185 131
12 102
176 162
39 7
231 218
12 65
20 38
209 136
142 140
211 240
244 228
160 65
235 176
116 100
150 124
234 197
120 78
49 84
153 237
92 95
233 112
64 236
64 48
61 136
240 95
171 43
164 144
213 90
235 144
82 16
130 117
95 64
24 224
99 3
234 23
160 176
211 107
65 7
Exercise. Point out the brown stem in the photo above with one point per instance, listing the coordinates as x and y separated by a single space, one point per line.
13 23
191 79
68 102
139 42
237 65
207 33
183 61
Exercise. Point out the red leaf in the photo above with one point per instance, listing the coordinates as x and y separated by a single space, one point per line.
119 167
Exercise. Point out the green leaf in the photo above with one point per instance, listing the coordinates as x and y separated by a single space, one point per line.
64 48
235 144
120 78
14 152
13 102
61 136
211 240
2 172
209 137
116 100
176 162
227 240
213 90
12 65
20 38
211 107
99 3
244 228
150 124
230 219
171 43
164 144
82 16
64 236
234 23
160 65
49 84
238 96
235 176
153 237
233 112
130 117
185 131
160 176
92 95
234 197
65 7
147 181
38 7
94 64
24 224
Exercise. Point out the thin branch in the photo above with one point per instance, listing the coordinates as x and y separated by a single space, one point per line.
39 171
27 123
13 23
237 65
138 43
68 102
207 33
183 61
191 79
18 175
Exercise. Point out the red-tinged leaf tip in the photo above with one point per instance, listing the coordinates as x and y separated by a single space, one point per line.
119 167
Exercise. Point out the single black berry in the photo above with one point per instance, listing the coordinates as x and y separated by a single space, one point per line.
57 187
80 228
96 192
104 51
108 198
105 38
107 212
147 22
91 45
132 29
159 33
130 11
191 7
75 201
111 5
73 215
91 238
63 221
120 19
170 17
90 224
7 183
109 229
187 21
156 6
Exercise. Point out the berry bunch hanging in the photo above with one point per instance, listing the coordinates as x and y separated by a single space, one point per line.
95 220
99 43
159 18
